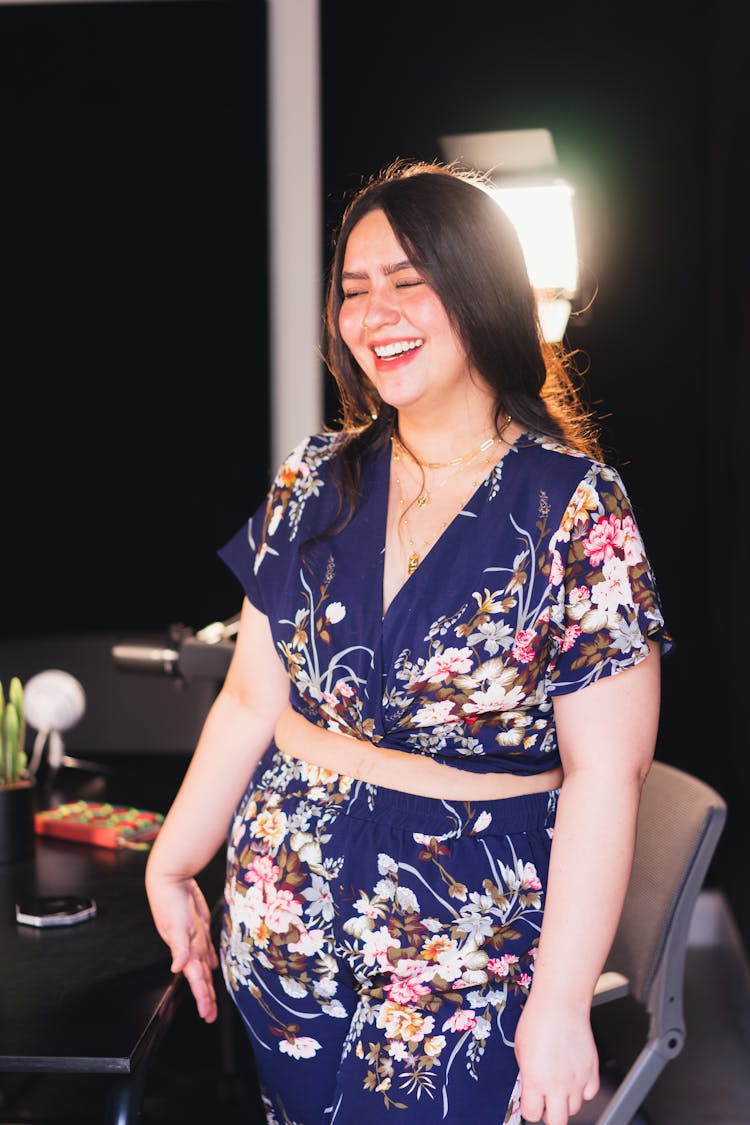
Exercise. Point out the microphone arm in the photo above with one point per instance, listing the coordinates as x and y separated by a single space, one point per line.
189 655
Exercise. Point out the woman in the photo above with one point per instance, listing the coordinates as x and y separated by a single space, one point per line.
448 659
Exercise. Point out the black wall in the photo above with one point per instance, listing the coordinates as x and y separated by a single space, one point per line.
134 378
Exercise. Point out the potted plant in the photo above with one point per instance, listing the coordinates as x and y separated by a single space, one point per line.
17 785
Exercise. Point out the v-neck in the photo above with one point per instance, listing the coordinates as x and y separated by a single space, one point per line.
383 485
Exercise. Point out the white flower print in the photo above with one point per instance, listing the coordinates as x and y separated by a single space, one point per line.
495 698
292 987
335 612
493 635
386 864
614 591
483 820
319 897
302 1047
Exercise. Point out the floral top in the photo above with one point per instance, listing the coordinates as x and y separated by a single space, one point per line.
539 586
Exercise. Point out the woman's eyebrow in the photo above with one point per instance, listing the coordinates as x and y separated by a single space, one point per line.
361 275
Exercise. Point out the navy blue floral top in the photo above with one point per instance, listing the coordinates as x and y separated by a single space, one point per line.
539 586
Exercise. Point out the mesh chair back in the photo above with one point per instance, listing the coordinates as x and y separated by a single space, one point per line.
679 817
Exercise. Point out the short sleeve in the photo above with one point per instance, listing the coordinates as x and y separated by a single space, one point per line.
241 554
259 551
605 604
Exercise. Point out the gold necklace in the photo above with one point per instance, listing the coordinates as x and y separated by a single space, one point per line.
455 464
482 448
414 558
425 495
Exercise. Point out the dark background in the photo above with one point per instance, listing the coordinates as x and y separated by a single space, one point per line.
134 402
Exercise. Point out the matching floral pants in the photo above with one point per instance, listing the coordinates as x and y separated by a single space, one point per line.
380 946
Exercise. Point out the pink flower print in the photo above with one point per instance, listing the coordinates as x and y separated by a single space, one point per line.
497 966
462 1020
509 958
524 980
432 714
343 688
544 615
450 662
523 650
632 544
571 635
529 879
406 991
282 912
603 539
262 870
409 967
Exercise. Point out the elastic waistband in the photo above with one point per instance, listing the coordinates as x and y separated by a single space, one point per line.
409 811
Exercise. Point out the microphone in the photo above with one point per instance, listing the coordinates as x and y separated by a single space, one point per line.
204 654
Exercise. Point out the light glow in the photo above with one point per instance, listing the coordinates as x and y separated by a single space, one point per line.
543 217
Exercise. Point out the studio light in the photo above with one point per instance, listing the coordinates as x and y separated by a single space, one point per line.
524 177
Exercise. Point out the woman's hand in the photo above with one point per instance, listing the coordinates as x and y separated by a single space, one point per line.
183 921
558 1060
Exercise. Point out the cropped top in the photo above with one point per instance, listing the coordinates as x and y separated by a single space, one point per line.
539 586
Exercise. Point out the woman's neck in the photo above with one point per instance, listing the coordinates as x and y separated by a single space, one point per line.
436 439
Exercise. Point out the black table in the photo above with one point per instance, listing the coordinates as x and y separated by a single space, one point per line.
91 998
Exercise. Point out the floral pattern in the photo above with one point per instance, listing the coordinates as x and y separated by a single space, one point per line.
540 586
425 960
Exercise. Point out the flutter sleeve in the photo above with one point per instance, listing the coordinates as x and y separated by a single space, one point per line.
262 549
605 604
241 554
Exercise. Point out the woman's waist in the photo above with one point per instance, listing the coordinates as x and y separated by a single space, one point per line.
402 770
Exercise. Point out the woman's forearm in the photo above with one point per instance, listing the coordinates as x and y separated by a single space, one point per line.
590 865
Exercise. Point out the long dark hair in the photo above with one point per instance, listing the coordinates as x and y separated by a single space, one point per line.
453 231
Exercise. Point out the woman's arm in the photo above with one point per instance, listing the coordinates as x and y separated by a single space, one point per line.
607 734
237 730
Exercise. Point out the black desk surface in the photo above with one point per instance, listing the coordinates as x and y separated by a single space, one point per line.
87 997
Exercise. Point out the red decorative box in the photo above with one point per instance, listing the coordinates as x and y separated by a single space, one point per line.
101 824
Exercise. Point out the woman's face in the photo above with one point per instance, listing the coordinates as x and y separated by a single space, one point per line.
395 325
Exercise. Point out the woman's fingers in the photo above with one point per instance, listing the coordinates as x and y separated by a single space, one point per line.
198 975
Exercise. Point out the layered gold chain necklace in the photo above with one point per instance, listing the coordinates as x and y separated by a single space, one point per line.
425 495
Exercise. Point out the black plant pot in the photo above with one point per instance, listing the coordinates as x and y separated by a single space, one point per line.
17 808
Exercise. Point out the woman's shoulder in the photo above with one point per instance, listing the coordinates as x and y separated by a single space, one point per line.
550 455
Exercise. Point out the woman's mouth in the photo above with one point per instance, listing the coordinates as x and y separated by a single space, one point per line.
396 350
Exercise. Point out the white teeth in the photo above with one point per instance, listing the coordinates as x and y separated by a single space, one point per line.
386 351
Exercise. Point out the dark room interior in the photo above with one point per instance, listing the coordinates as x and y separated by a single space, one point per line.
135 374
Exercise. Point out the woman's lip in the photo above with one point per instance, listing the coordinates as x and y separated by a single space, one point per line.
385 362
392 363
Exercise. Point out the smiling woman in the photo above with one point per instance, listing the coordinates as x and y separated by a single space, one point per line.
448 656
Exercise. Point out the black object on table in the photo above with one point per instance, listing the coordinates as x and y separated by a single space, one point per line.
91 998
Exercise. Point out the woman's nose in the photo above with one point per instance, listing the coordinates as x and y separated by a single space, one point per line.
379 310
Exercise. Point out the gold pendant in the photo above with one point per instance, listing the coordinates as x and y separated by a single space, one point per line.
422 499
413 563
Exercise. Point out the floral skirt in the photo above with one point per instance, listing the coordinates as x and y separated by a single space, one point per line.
379 946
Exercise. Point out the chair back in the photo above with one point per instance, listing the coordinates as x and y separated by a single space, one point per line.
680 821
